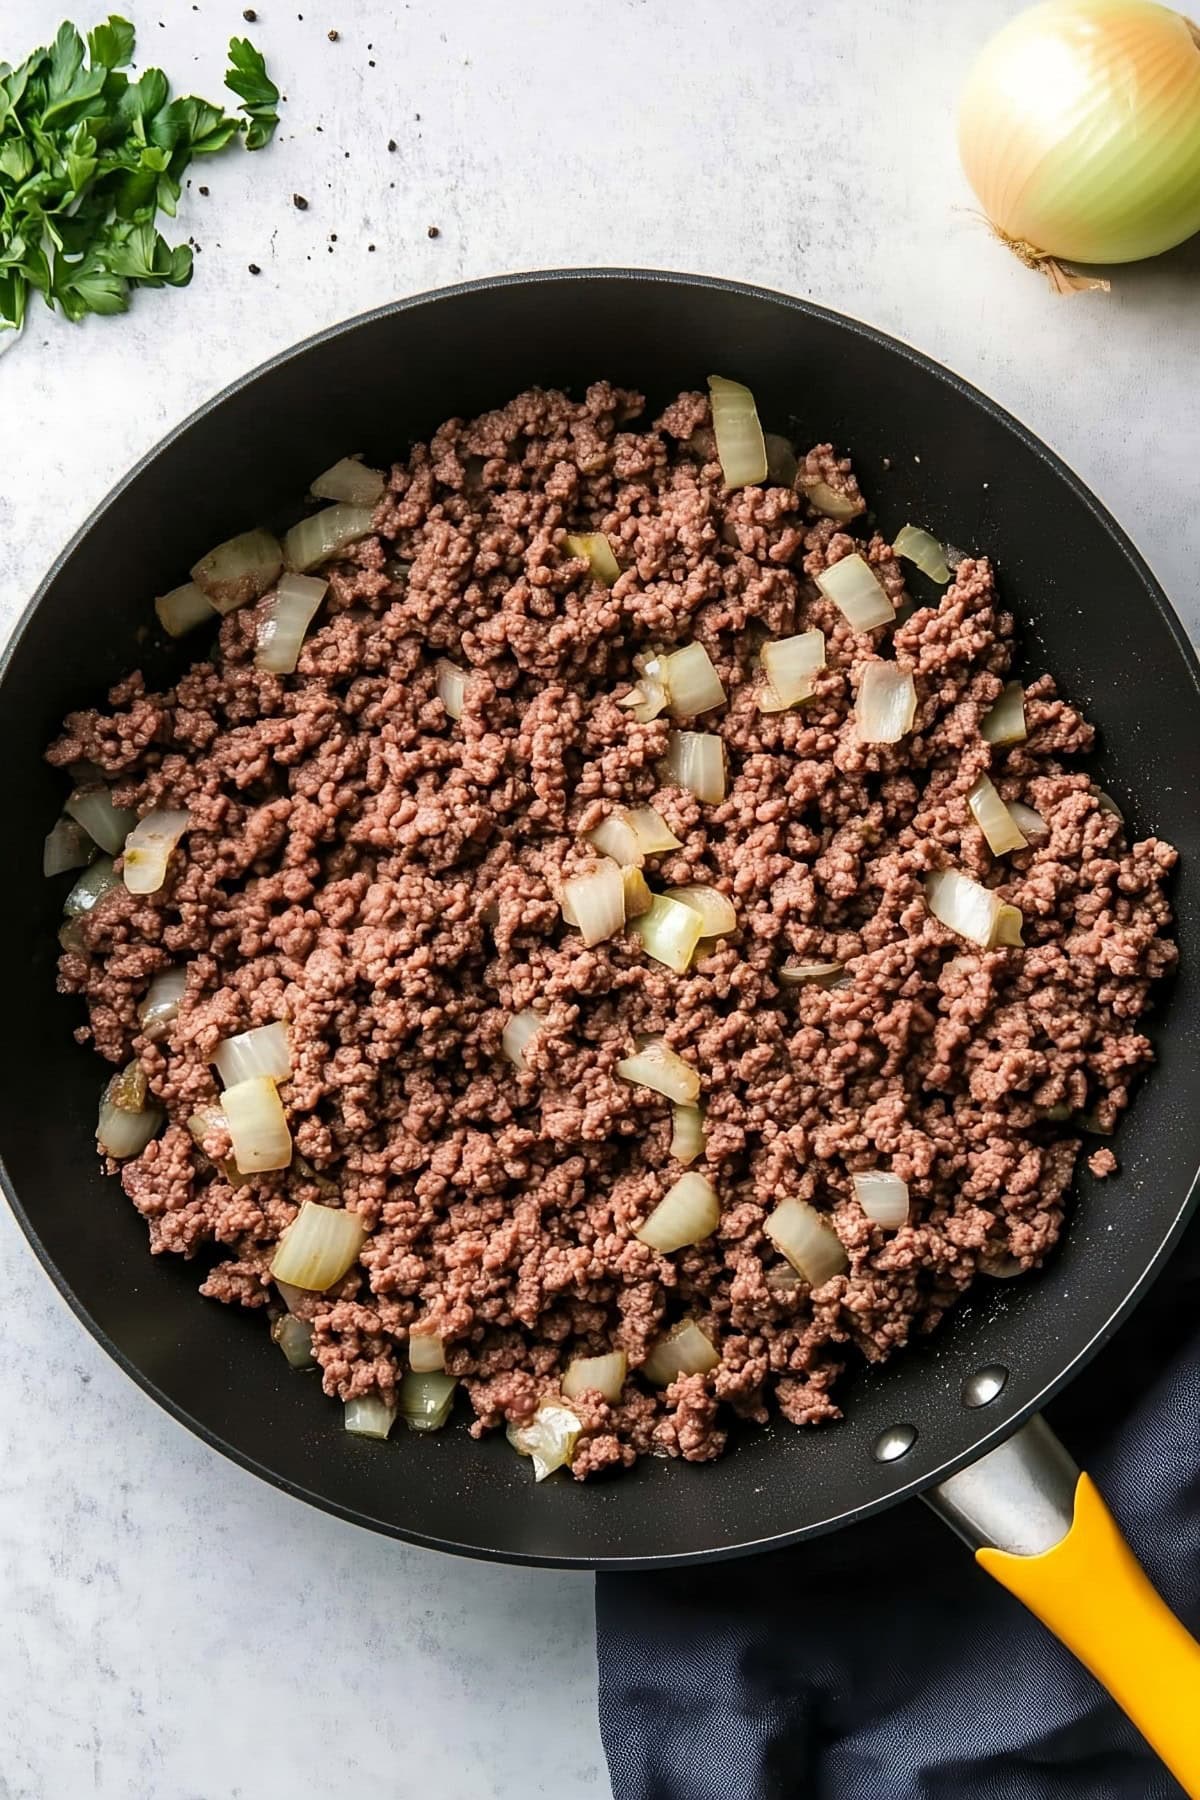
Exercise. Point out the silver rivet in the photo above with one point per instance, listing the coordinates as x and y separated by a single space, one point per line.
894 1443
983 1386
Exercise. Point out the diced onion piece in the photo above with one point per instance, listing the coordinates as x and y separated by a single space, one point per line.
91 888
160 1004
857 592
263 1051
350 480
809 1242
239 570
318 1246
782 466
999 1265
740 447
426 1399
369 1416
1005 724
656 1066
67 846
638 898
685 1350
790 665
520 1031
258 1129
126 1124
294 1337
669 932
795 974
653 832
599 554
994 819
716 911
325 534
883 1197
183 609
1107 804
886 704
781 1278
617 837
692 683
919 548
285 618
826 500
594 902
687 1135
148 848
646 700
426 1352
695 760
452 687
688 1212
106 824
1030 822
289 1293
549 1438
973 911
598 1374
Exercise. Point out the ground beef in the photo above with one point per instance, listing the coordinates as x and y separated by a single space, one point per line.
384 878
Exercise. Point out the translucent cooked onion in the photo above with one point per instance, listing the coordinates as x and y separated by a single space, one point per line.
426 1399
883 1197
654 834
1005 724
318 1246
148 848
790 665
827 501
919 548
638 898
617 837
685 1350
126 1124
369 1416
549 1438
782 466
692 683
646 700
669 932
886 703
106 824
239 570
740 448
974 912
809 1242
325 534
994 819
451 687
67 846
598 552
594 902
1030 822
857 593
426 1351
518 1034
70 937
687 1134
795 974
715 910
688 1212
183 609
295 1339
656 1066
596 1374
695 760
160 1003
91 888
258 1131
263 1051
350 480
1107 804
284 619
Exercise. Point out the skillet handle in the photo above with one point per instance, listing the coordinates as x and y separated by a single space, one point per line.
1041 1529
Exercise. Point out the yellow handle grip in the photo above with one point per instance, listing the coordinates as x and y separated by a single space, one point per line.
1097 1600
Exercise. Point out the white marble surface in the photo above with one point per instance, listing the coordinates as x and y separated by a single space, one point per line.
163 1608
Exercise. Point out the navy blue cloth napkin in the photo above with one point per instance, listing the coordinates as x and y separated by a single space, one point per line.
881 1663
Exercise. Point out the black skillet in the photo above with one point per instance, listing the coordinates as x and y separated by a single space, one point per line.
927 448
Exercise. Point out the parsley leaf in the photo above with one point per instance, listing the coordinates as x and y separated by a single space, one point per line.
260 97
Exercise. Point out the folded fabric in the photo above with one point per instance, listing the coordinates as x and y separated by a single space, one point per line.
881 1663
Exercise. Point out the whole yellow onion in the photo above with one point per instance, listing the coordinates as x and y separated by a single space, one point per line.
1079 130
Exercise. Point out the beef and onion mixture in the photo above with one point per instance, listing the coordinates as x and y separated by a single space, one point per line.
605 933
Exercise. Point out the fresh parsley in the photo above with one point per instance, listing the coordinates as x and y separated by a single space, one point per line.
89 157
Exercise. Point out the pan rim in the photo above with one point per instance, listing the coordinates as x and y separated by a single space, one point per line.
1120 543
